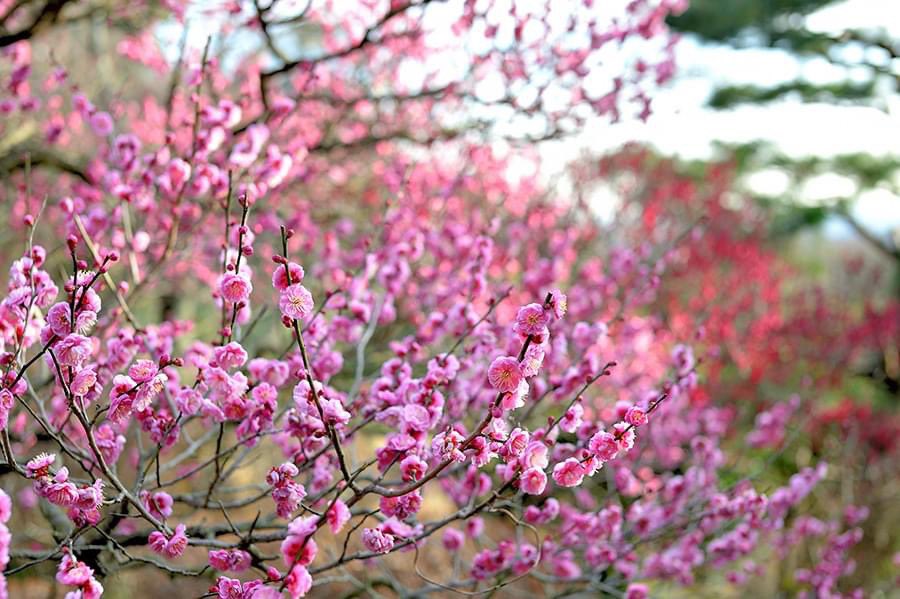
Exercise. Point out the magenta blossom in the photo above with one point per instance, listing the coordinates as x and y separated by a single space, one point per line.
170 547
505 374
296 302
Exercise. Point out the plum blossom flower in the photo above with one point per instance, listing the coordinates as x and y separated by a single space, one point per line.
7 402
83 381
401 507
74 350
569 473
39 465
637 591
285 491
298 547
72 572
60 322
377 541
159 503
235 288
231 355
511 401
298 582
5 507
280 279
337 516
534 358
231 588
603 446
572 419
142 371
448 445
334 412
533 481
536 455
453 539
58 489
413 468
296 302
172 547
636 416
505 374
102 123
233 560
683 358
624 435
531 319
559 303
515 444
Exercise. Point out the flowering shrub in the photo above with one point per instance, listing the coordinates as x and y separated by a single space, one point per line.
255 339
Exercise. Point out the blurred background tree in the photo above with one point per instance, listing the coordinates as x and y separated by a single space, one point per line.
863 70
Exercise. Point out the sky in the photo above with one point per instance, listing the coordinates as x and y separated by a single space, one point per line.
681 125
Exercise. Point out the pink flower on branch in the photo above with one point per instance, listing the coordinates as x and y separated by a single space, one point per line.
296 302
505 374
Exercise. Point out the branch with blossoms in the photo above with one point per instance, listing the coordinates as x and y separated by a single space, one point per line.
371 507
318 418
412 404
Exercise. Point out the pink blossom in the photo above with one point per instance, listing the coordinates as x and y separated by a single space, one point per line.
533 481
572 419
73 351
413 468
504 374
5 507
298 582
534 359
683 358
338 516
102 123
72 572
142 371
296 302
531 320
569 473
159 503
453 539
7 402
376 541
39 465
604 446
448 445
234 560
558 303
636 416
536 455
637 591
171 547
83 382
231 355
231 588
235 288
58 490
298 547
403 506
624 434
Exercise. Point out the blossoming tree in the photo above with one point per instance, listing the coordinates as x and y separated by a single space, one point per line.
286 318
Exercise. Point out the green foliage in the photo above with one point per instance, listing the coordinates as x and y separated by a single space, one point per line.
727 20
730 96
